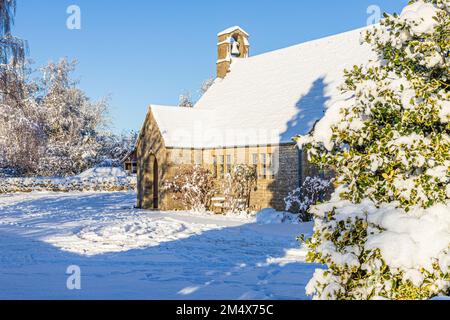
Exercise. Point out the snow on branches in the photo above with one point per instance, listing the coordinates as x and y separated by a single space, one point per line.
238 186
389 144
310 193
49 127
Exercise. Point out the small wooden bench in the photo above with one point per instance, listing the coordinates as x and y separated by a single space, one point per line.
218 204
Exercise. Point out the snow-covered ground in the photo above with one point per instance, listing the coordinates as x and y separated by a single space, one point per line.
124 253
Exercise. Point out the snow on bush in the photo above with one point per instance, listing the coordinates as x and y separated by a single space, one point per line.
8 173
193 187
97 179
313 190
238 186
378 251
103 172
386 231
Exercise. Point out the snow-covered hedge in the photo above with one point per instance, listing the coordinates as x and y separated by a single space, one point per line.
98 179
386 231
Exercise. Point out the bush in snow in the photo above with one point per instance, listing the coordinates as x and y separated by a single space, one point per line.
71 123
238 185
386 232
193 187
49 127
206 85
313 190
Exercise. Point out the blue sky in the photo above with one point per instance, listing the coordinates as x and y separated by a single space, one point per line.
146 51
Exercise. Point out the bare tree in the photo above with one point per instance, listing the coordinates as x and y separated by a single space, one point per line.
206 85
185 100
72 121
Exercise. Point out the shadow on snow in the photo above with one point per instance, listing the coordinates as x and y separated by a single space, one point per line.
228 263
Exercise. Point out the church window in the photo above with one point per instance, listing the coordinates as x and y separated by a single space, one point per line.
229 163
264 166
215 166
255 162
222 166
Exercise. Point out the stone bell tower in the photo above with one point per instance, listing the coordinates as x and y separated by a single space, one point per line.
233 44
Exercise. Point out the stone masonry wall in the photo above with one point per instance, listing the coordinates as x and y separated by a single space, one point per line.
281 178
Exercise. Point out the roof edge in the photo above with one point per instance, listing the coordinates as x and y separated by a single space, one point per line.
308 42
232 29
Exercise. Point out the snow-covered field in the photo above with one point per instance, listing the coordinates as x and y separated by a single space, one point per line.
124 253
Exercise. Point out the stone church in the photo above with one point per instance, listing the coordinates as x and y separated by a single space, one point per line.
254 108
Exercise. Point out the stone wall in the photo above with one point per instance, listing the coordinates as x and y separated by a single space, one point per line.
271 188
150 147
288 177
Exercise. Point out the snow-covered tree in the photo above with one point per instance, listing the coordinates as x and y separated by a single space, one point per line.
238 186
71 124
185 100
49 126
113 147
12 49
193 187
386 231
18 127
206 85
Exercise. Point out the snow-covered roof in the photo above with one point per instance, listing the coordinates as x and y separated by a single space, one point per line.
266 99
232 29
180 126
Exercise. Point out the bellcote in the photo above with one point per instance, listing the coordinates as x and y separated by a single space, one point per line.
232 44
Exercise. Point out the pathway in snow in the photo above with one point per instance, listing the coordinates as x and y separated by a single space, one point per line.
126 253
